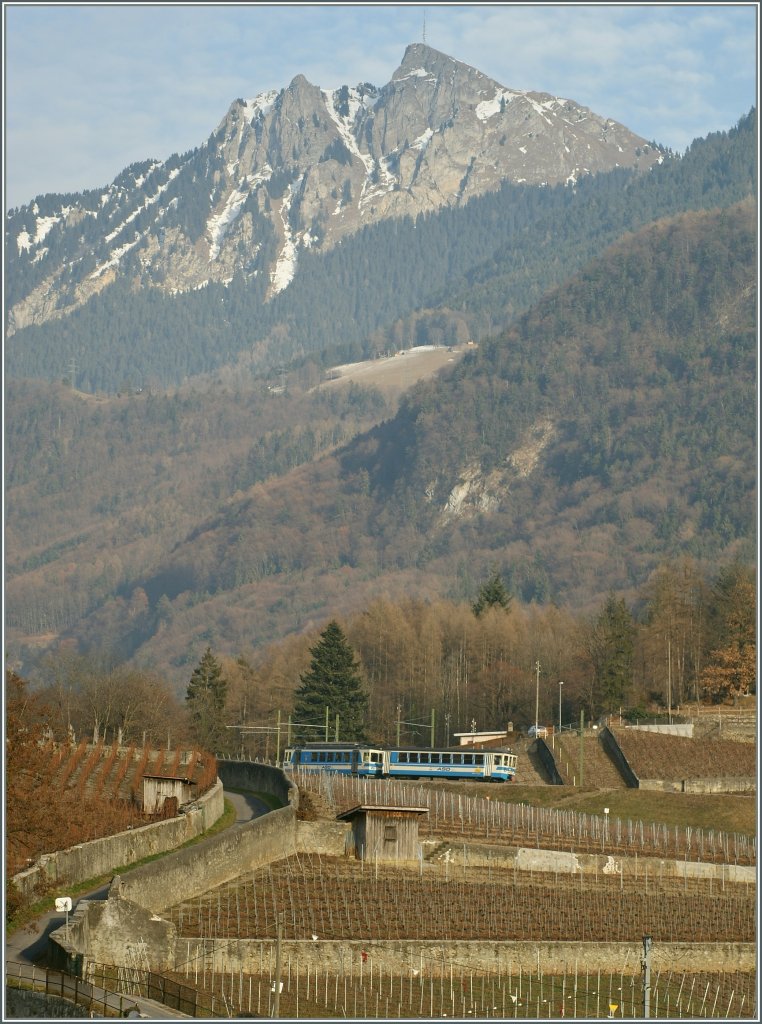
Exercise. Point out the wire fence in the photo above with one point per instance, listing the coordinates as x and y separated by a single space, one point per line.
500 821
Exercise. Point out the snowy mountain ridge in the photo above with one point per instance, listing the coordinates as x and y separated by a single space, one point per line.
301 169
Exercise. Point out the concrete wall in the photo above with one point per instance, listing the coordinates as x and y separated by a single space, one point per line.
548 762
103 856
405 955
612 748
250 776
726 785
513 858
328 838
196 869
685 729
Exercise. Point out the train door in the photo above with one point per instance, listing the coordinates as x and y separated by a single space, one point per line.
355 758
386 762
489 765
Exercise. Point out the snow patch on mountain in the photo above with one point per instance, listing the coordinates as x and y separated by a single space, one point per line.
285 267
261 105
219 224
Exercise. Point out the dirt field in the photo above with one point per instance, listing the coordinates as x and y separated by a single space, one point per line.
393 375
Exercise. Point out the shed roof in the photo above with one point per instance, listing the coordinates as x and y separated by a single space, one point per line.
364 808
169 778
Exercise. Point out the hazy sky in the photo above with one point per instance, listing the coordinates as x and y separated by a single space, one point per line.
91 88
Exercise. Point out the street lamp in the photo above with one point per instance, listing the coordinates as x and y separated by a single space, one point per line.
560 684
537 700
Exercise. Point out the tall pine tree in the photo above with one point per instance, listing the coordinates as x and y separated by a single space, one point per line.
333 682
492 593
611 647
205 697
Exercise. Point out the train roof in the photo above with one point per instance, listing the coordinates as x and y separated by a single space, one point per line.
465 748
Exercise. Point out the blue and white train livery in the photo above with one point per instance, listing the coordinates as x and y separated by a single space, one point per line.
402 763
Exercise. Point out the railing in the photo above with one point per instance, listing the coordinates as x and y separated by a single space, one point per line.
56 983
147 984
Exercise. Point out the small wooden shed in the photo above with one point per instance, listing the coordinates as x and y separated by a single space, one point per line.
158 788
384 833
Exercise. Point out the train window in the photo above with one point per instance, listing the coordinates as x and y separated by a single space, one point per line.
423 758
468 759
457 759
446 758
314 756
402 757
434 758
413 757
375 757
478 758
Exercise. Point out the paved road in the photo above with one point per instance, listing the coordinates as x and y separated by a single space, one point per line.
30 943
246 806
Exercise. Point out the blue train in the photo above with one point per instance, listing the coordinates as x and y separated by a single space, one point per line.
372 762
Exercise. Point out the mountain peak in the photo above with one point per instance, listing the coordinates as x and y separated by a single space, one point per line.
420 57
316 166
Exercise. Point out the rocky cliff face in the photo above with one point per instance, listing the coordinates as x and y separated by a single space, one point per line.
301 169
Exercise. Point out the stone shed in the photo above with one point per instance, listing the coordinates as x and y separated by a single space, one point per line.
384 833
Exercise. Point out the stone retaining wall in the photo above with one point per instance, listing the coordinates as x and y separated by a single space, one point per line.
514 858
103 856
253 777
699 786
20 1003
196 869
248 955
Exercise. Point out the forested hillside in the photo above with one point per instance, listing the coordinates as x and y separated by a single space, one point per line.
485 262
612 427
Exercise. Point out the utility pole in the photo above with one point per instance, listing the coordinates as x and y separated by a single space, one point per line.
277 753
581 744
432 728
326 723
646 967
278 962
336 733
399 720
669 677
537 700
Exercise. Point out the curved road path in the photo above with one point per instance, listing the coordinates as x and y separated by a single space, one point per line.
28 945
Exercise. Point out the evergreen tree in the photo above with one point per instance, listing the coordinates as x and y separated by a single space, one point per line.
611 647
492 593
333 682
206 694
